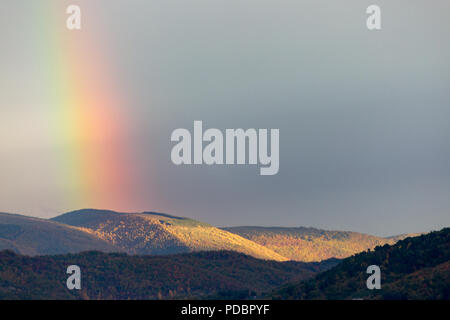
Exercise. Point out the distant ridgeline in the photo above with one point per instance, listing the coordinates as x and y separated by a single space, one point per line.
158 233
311 244
413 268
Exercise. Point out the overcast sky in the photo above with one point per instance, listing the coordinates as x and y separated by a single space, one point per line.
364 116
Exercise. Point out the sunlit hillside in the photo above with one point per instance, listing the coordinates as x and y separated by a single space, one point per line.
310 244
158 233
154 233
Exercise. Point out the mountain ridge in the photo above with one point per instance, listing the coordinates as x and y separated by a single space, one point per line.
312 244
34 236
160 233
154 233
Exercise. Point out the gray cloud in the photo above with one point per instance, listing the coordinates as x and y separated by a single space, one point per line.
363 116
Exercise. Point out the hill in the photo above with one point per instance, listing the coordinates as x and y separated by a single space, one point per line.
413 268
158 233
216 274
311 244
155 233
33 236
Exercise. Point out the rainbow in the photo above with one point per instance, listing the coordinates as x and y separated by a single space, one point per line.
87 115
